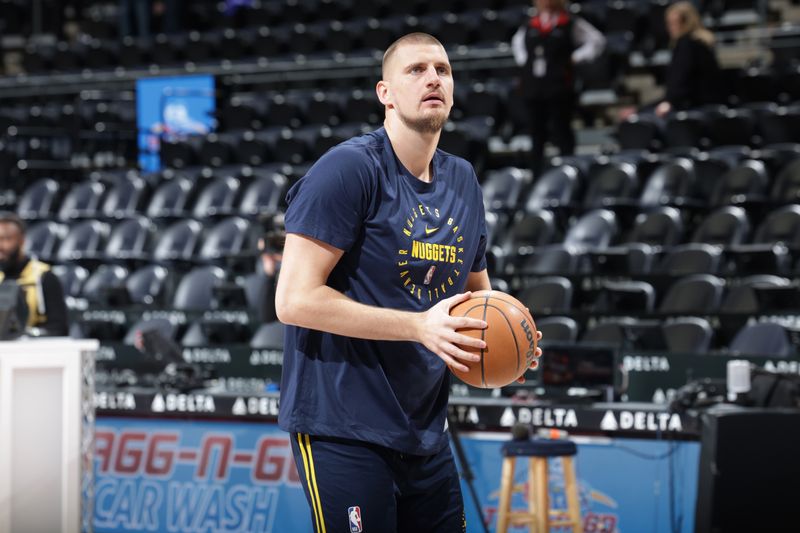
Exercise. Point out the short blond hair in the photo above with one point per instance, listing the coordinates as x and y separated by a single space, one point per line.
417 37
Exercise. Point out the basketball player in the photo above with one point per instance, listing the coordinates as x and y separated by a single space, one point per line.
385 233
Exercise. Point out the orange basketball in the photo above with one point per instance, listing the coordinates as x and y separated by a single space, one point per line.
510 339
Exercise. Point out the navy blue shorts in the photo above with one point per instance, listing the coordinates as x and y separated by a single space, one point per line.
355 487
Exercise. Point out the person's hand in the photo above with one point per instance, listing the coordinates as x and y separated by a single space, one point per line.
437 332
663 108
269 262
536 355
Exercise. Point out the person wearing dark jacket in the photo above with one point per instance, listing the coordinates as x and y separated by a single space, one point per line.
47 310
546 48
693 75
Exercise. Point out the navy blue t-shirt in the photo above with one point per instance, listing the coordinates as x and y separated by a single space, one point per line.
407 245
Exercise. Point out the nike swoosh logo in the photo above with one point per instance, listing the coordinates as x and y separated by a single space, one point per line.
428 230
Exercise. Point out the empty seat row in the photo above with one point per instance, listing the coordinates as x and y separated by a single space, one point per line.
130 195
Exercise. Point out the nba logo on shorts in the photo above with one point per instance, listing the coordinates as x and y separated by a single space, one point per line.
354 514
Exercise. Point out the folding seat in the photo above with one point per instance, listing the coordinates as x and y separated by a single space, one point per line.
178 241
692 258
264 195
42 239
744 298
745 183
231 46
529 230
85 237
763 338
129 238
195 292
557 329
687 129
608 332
774 242
268 336
72 278
639 132
284 113
549 260
180 153
725 226
38 200
166 327
611 184
594 230
252 149
238 114
323 109
671 183
226 238
167 49
123 198
202 47
695 294
502 188
101 281
146 285
216 150
82 200
362 107
170 199
732 127
557 187
216 197
688 335
292 147
547 295
625 296
786 188
266 43
661 227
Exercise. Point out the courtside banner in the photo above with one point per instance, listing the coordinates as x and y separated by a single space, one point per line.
182 476
210 476
625 485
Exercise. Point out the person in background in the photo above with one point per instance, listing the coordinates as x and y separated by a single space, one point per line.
546 48
134 18
47 310
693 75
271 248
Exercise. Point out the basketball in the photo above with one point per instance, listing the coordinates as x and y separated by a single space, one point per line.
510 339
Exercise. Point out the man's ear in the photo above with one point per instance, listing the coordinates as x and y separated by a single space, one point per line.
382 90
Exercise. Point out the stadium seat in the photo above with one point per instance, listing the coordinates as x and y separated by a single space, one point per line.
503 188
195 292
764 339
611 184
82 200
38 200
268 336
217 197
123 198
691 258
177 242
42 239
72 278
662 226
557 329
688 335
146 285
743 297
547 295
672 183
746 182
693 295
170 199
103 279
557 187
725 226
84 238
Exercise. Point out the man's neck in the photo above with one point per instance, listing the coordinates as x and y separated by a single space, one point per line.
414 150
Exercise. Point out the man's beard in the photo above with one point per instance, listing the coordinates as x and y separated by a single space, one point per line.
428 123
12 262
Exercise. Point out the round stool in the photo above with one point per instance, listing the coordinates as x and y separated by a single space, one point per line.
539 516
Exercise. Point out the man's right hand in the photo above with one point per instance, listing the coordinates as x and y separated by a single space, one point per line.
437 332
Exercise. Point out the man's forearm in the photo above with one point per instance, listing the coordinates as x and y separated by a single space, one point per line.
326 309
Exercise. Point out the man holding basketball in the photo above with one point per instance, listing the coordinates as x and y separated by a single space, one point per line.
384 235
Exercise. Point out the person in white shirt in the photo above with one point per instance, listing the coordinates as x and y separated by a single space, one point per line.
546 48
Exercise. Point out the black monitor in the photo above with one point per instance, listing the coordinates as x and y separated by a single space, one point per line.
576 365
13 310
